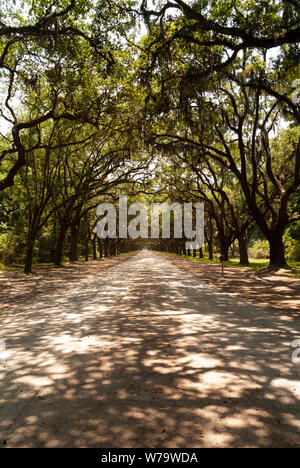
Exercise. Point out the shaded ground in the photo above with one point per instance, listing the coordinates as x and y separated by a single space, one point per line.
146 355
15 286
262 288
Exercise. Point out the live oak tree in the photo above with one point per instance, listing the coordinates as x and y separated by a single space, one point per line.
41 46
39 177
234 129
61 67
88 98
226 204
212 89
225 208
221 29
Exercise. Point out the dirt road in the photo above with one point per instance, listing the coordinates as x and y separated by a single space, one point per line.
147 355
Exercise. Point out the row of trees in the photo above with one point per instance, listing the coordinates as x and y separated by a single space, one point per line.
224 111
190 107
70 129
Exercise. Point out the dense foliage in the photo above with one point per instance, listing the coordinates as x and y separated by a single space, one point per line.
163 100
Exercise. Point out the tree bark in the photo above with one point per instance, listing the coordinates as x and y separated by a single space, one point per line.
113 248
277 255
210 251
224 248
106 248
29 256
209 236
100 248
86 250
73 255
95 247
243 251
58 253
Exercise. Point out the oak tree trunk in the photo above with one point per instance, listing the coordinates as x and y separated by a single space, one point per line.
243 251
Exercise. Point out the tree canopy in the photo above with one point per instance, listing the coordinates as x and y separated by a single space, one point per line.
179 100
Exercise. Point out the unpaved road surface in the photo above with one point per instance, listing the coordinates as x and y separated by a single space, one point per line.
277 292
147 355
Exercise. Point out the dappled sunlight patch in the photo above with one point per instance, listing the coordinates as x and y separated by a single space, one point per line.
35 381
164 362
215 439
278 292
292 386
231 384
71 344
200 361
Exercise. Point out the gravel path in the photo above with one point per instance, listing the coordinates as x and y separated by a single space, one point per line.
146 355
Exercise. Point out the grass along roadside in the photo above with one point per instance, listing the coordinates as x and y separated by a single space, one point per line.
255 263
46 266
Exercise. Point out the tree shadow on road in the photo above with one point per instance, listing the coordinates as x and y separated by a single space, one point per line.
142 358
263 288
